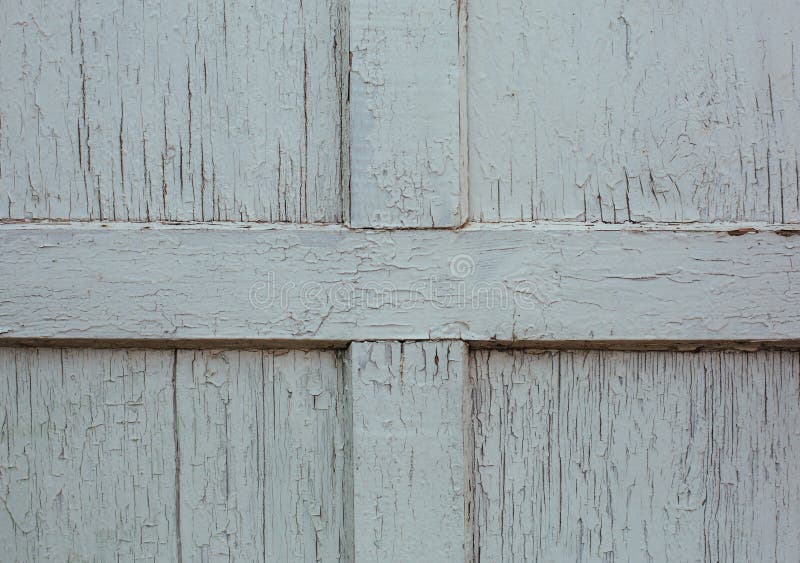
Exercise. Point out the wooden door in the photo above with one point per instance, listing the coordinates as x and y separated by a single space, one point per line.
412 281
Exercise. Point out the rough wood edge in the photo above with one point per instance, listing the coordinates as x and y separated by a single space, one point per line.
278 344
731 228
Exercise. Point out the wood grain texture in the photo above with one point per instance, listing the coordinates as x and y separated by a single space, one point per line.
326 284
97 466
408 450
87 466
634 111
405 76
262 439
159 110
220 434
633 456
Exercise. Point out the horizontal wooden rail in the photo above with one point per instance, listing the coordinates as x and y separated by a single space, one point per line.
505 284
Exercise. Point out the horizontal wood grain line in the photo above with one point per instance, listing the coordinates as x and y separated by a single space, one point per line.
328 284
273 344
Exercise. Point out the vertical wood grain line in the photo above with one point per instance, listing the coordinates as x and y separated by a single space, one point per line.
348 546
177 522
343 80
470 458
463 111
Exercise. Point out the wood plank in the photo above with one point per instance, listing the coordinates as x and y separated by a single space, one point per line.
88 456
404 107
408 450
329 284
219 397
261 451
160 110
262 443
636 111
632 456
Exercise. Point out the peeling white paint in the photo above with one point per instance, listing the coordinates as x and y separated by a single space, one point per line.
131 455
634 456
655 141
408 450
261 443
405 78
169 111
333 284
87 466
634 111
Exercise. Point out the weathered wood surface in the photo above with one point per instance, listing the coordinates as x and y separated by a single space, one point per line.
634 111
94 466
261 439
631 456
404 104
87 465
408 450
160 110
506 283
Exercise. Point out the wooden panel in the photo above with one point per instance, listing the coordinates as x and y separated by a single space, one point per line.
159 110
626 456
94 467
408 450
325 284
634 111
404 105
87 466
263 460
